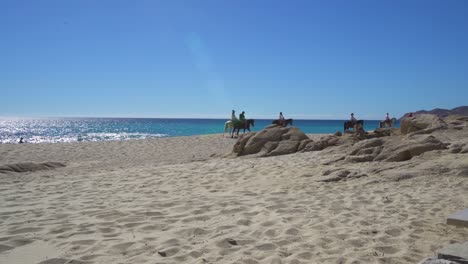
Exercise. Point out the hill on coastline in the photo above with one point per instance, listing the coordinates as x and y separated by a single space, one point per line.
461 110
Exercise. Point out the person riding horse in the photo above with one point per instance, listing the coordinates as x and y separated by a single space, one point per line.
242 117
353 119
239 122
233 116
281 119
352 123
387 122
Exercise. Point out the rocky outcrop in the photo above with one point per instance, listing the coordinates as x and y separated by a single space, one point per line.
393 149
421 124
330 141
29 167
340 175
271 141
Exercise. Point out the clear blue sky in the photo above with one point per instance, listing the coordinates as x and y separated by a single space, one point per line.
168 58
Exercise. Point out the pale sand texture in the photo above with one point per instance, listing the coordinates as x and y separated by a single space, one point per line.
122 202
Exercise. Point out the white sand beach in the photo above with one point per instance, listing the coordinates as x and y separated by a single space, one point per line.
181 200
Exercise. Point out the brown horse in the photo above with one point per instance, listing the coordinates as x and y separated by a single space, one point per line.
389 123
286 122
351 124
242 125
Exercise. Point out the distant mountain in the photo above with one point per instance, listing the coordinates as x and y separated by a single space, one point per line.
461 110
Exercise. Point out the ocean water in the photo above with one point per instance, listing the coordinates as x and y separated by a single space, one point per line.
51 130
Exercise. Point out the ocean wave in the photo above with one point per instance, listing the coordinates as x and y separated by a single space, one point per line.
88 137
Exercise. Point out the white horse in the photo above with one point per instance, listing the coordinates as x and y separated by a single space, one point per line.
227 125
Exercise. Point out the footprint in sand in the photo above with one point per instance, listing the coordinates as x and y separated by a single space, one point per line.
387 249
394 232
266 247
25 230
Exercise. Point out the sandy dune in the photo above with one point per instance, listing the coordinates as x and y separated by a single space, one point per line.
178 200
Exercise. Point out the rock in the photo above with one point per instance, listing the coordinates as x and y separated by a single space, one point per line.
304 143
392 149
240 143
459 167
433 260
455 118
459 218
29 167
331 140
421 124
375 142
456 148
284 147
339 175
360 158
465 149
336 176
232 241
386 132
338 134
405 150
457 252
314 146
272 141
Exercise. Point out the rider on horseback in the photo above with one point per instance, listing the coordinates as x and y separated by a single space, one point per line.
281 119
353 119
242 118
233 116
387 117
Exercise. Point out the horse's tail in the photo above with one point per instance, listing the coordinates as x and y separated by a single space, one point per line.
226 126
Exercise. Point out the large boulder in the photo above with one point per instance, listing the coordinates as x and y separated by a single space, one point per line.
421 124
330 141
409 149
271 141
393 148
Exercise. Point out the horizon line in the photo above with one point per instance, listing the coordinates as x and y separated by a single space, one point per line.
200 118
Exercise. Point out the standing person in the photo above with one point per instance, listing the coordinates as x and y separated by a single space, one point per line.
281 119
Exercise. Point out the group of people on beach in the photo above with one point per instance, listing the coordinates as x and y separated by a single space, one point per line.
242 117
281 118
